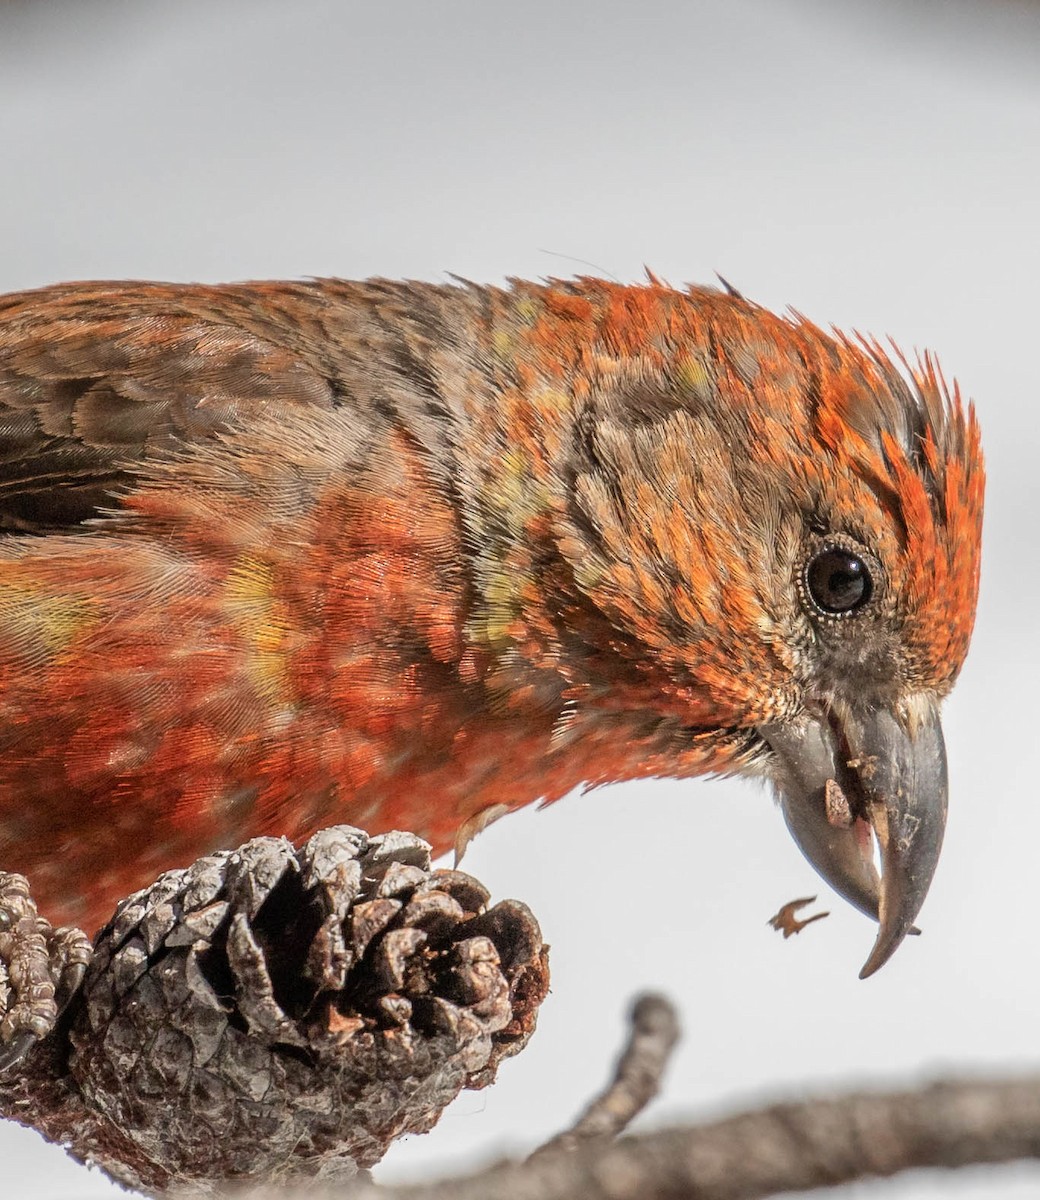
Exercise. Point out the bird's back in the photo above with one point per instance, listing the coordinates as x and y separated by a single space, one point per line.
97 380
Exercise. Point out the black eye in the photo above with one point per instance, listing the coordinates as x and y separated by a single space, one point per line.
838 581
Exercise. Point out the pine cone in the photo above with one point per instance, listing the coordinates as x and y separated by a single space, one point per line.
272 1014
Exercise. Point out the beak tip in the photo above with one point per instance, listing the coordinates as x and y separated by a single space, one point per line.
870 967
888 941
874 963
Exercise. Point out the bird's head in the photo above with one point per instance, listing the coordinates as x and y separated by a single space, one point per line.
787 524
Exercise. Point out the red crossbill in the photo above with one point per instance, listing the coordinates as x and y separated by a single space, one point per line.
409 556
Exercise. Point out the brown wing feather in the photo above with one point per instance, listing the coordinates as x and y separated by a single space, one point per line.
98 379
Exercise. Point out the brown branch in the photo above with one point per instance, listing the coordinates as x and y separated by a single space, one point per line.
637 1077
784 1148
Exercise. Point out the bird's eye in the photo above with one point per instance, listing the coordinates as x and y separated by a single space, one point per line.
838 581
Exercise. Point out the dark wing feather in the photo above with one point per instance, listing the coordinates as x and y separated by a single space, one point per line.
96 380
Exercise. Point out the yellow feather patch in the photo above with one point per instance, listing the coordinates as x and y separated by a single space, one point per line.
264 623
39 625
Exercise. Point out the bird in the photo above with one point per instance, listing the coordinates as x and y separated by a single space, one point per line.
409 555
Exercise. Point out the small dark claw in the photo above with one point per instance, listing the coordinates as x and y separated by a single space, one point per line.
70 952
14 1051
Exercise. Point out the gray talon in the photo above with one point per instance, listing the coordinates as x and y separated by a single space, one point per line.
41 969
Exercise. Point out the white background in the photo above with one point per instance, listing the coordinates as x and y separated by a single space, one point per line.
874 165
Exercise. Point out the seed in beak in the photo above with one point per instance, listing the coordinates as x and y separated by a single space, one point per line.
836 804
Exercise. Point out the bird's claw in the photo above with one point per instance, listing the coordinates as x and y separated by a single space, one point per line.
41 969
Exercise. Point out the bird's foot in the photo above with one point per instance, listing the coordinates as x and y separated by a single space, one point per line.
40 969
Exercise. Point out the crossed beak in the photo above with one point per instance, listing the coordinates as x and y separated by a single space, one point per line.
847 779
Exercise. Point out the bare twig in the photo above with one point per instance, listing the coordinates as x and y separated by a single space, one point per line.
772 1151
637 1077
